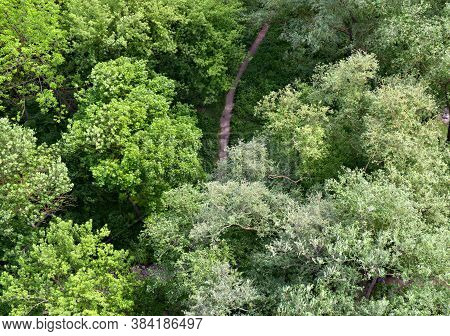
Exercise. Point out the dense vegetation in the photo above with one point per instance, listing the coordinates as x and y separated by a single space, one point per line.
333 199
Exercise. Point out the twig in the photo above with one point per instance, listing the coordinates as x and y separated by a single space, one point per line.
272 177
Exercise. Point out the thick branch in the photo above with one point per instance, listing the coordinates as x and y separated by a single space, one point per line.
225 120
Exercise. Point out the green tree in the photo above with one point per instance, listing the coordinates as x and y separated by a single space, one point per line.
165 236
69 271
364 249
335 204
330 29
351 117
245 162
344 87
402 134
245 214
358 246
240 209
295 129
205 238
415 41
408 37
31 47
193 42
211 286
130 136
34 183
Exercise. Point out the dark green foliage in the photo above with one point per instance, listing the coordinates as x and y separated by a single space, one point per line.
193 42
279 66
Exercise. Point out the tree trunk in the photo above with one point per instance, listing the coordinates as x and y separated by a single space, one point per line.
225 120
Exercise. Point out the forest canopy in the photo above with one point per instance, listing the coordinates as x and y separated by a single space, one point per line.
331 197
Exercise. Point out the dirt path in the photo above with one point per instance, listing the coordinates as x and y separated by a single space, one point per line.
225 120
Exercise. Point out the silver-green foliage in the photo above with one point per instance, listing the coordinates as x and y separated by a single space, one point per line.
213 286
366 228
246 161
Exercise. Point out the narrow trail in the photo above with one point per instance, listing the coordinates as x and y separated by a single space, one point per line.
225 119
